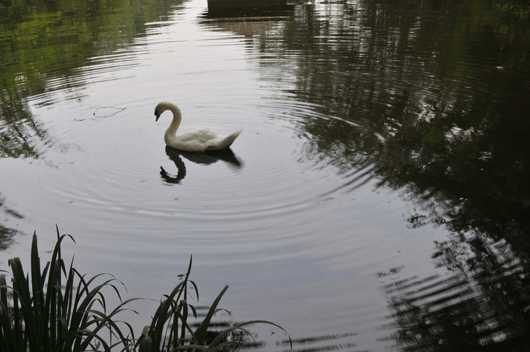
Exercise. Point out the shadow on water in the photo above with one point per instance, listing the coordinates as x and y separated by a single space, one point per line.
202 158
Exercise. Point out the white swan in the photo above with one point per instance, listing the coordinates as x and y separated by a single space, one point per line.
196 141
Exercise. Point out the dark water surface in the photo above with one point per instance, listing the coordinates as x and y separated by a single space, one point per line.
377 199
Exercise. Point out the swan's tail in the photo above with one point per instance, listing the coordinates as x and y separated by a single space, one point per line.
227 141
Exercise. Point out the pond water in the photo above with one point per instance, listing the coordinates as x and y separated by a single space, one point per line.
377 198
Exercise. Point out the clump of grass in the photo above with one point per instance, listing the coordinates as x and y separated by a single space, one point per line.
58 309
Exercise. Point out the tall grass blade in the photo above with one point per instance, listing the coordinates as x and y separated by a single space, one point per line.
3 289
40 325
200 333
184 318
7 338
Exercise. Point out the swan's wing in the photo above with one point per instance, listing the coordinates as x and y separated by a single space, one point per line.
201 140
223 142
201 136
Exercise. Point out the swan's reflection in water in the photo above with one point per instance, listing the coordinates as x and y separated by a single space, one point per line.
204 158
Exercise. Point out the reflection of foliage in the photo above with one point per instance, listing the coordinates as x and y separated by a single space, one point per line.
6 233
515 7
6 236
430 98
42 48
484 306
417 109
474 180
18 129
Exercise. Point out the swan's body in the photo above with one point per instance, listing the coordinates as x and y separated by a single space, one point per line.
196 141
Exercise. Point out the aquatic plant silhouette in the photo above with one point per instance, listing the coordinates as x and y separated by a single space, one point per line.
56 308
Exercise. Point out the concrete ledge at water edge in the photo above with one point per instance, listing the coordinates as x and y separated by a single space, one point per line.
242 4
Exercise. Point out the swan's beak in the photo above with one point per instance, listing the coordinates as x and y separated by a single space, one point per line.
157 115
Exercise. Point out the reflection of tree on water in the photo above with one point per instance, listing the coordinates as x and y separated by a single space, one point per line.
432 101
19 131
483 307
457 148
204 158
6 233
44 44
52 41
20 135
247 21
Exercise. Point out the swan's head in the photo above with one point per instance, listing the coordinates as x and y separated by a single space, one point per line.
163 106
160 108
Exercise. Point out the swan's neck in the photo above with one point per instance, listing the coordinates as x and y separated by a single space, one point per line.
177 117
